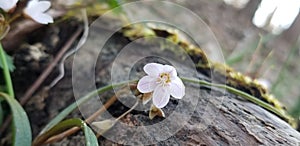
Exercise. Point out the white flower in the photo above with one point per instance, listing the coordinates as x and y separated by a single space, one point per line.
7 5
35 9
163 81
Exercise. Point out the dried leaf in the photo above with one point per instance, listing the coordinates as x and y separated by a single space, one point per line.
154 111
104 125
146 98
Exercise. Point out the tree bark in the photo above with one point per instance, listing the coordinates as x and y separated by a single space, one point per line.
218 118
204 116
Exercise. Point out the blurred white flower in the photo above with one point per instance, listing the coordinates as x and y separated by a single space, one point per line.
163 81
35 9
264 82
7 5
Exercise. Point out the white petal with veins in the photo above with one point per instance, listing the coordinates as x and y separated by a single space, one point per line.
161 97
153 69
177 88
146 84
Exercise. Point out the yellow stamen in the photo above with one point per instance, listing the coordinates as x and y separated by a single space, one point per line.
165 78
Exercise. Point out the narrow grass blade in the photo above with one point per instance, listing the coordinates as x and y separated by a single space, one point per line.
90 137
74 105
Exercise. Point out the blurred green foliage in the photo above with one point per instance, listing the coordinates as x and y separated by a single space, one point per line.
10 63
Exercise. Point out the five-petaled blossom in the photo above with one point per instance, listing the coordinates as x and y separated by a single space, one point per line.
7 5
163 81
35 9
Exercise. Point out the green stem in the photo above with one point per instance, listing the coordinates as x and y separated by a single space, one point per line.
242 94
124 114
16 16
6 73
80 101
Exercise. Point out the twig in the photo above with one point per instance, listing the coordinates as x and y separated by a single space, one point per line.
69 53
50 67
101 110
21 29
91 118
254 56
43 76
261 68
123 115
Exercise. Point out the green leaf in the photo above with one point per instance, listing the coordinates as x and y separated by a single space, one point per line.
21 126
90 138
9 61
113 4
82 100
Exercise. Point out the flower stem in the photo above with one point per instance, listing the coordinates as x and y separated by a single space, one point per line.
6 73
124 114
16 16
120 117
242 94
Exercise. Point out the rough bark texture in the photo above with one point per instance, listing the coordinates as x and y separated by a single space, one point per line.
219 118
204 117
233 122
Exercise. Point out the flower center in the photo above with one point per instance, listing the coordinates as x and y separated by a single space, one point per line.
164 78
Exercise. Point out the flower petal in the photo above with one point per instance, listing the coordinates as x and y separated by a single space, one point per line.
35 9
31 5
42 18
161 96
42 6
153 69
146 84
170 69
177 89
6 5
